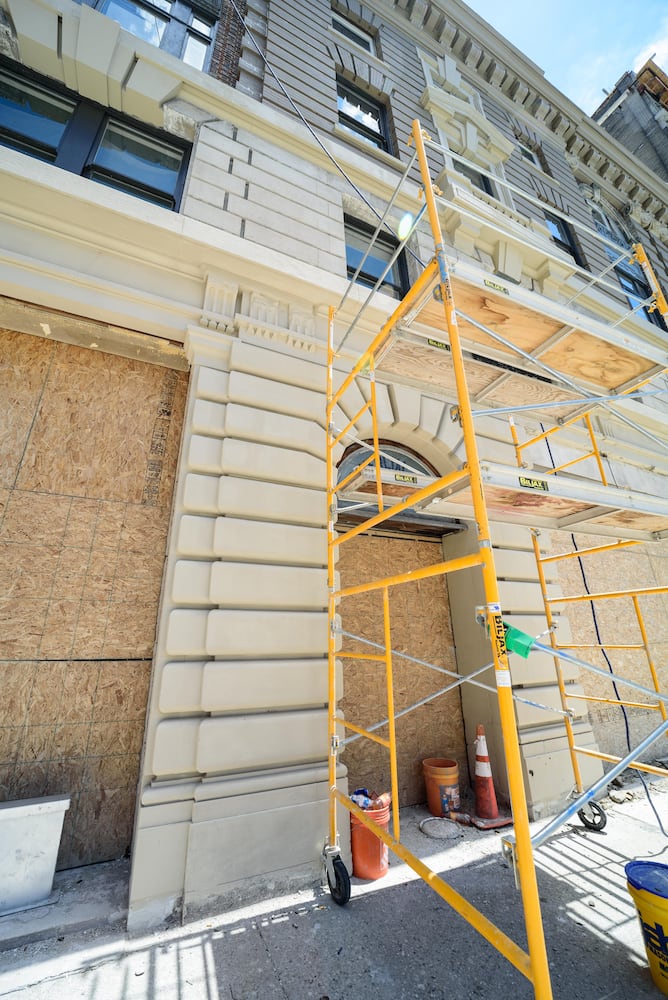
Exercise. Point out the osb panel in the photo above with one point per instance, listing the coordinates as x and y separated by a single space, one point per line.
82 542
80 578
613 622
101 428
421 628
75 728
23 369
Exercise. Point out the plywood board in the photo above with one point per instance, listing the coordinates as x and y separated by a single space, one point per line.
498 312
508 501
524 391
433 366
580 356
417 361
587 359
625 519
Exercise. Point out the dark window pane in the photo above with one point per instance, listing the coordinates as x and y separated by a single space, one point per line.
141 21
355 34
120 184
34 115
563 236
477 179
358 239
361 115
148 162
637 291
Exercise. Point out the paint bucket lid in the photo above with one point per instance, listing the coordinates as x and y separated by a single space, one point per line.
648 875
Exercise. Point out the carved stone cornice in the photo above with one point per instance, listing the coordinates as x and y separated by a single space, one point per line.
500 67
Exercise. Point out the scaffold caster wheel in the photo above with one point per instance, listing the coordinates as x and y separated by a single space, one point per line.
593 816
341 889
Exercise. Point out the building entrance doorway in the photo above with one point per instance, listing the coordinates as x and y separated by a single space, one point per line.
421 628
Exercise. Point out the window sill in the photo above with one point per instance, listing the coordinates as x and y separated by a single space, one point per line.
381 155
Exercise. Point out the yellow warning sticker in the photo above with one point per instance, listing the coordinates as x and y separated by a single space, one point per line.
499 634
405 477
438 343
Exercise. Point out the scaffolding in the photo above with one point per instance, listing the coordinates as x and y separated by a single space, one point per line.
406 345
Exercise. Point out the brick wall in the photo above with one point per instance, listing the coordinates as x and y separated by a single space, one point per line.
227 44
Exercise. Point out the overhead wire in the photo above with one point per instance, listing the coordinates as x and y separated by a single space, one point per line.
314 135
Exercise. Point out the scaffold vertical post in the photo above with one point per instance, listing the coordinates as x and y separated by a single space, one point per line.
525 862
331 616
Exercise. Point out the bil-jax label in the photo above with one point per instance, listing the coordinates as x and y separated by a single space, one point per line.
534 484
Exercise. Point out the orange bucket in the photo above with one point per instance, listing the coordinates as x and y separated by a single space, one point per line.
441 778
370 854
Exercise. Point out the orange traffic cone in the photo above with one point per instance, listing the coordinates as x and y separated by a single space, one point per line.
485 796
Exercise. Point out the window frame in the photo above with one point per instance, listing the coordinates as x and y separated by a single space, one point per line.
400 283
564 237
354 33
379 140
81 138
179 27
529 154
478 180
639 292
626 270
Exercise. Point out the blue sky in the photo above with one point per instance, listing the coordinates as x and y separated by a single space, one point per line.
583 46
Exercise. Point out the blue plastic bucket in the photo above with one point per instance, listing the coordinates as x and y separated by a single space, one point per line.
647 882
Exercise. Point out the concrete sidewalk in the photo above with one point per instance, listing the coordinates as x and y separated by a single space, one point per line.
395 940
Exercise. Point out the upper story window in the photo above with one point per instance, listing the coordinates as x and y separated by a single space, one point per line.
638 291
176 26
354 33
563 235
481 181
362 115
358 240
528 153
87 139
629 274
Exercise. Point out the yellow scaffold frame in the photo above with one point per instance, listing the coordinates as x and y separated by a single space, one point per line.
532 963
633 595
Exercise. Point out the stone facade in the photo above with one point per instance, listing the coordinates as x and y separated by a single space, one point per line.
166 373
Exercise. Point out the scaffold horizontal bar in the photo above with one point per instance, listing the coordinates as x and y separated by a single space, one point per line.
361 731
424 573
496 937
637 765
438 486
593 550
612 595
612 701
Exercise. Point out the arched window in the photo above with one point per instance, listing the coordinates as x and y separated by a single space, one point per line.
402 472
394 458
